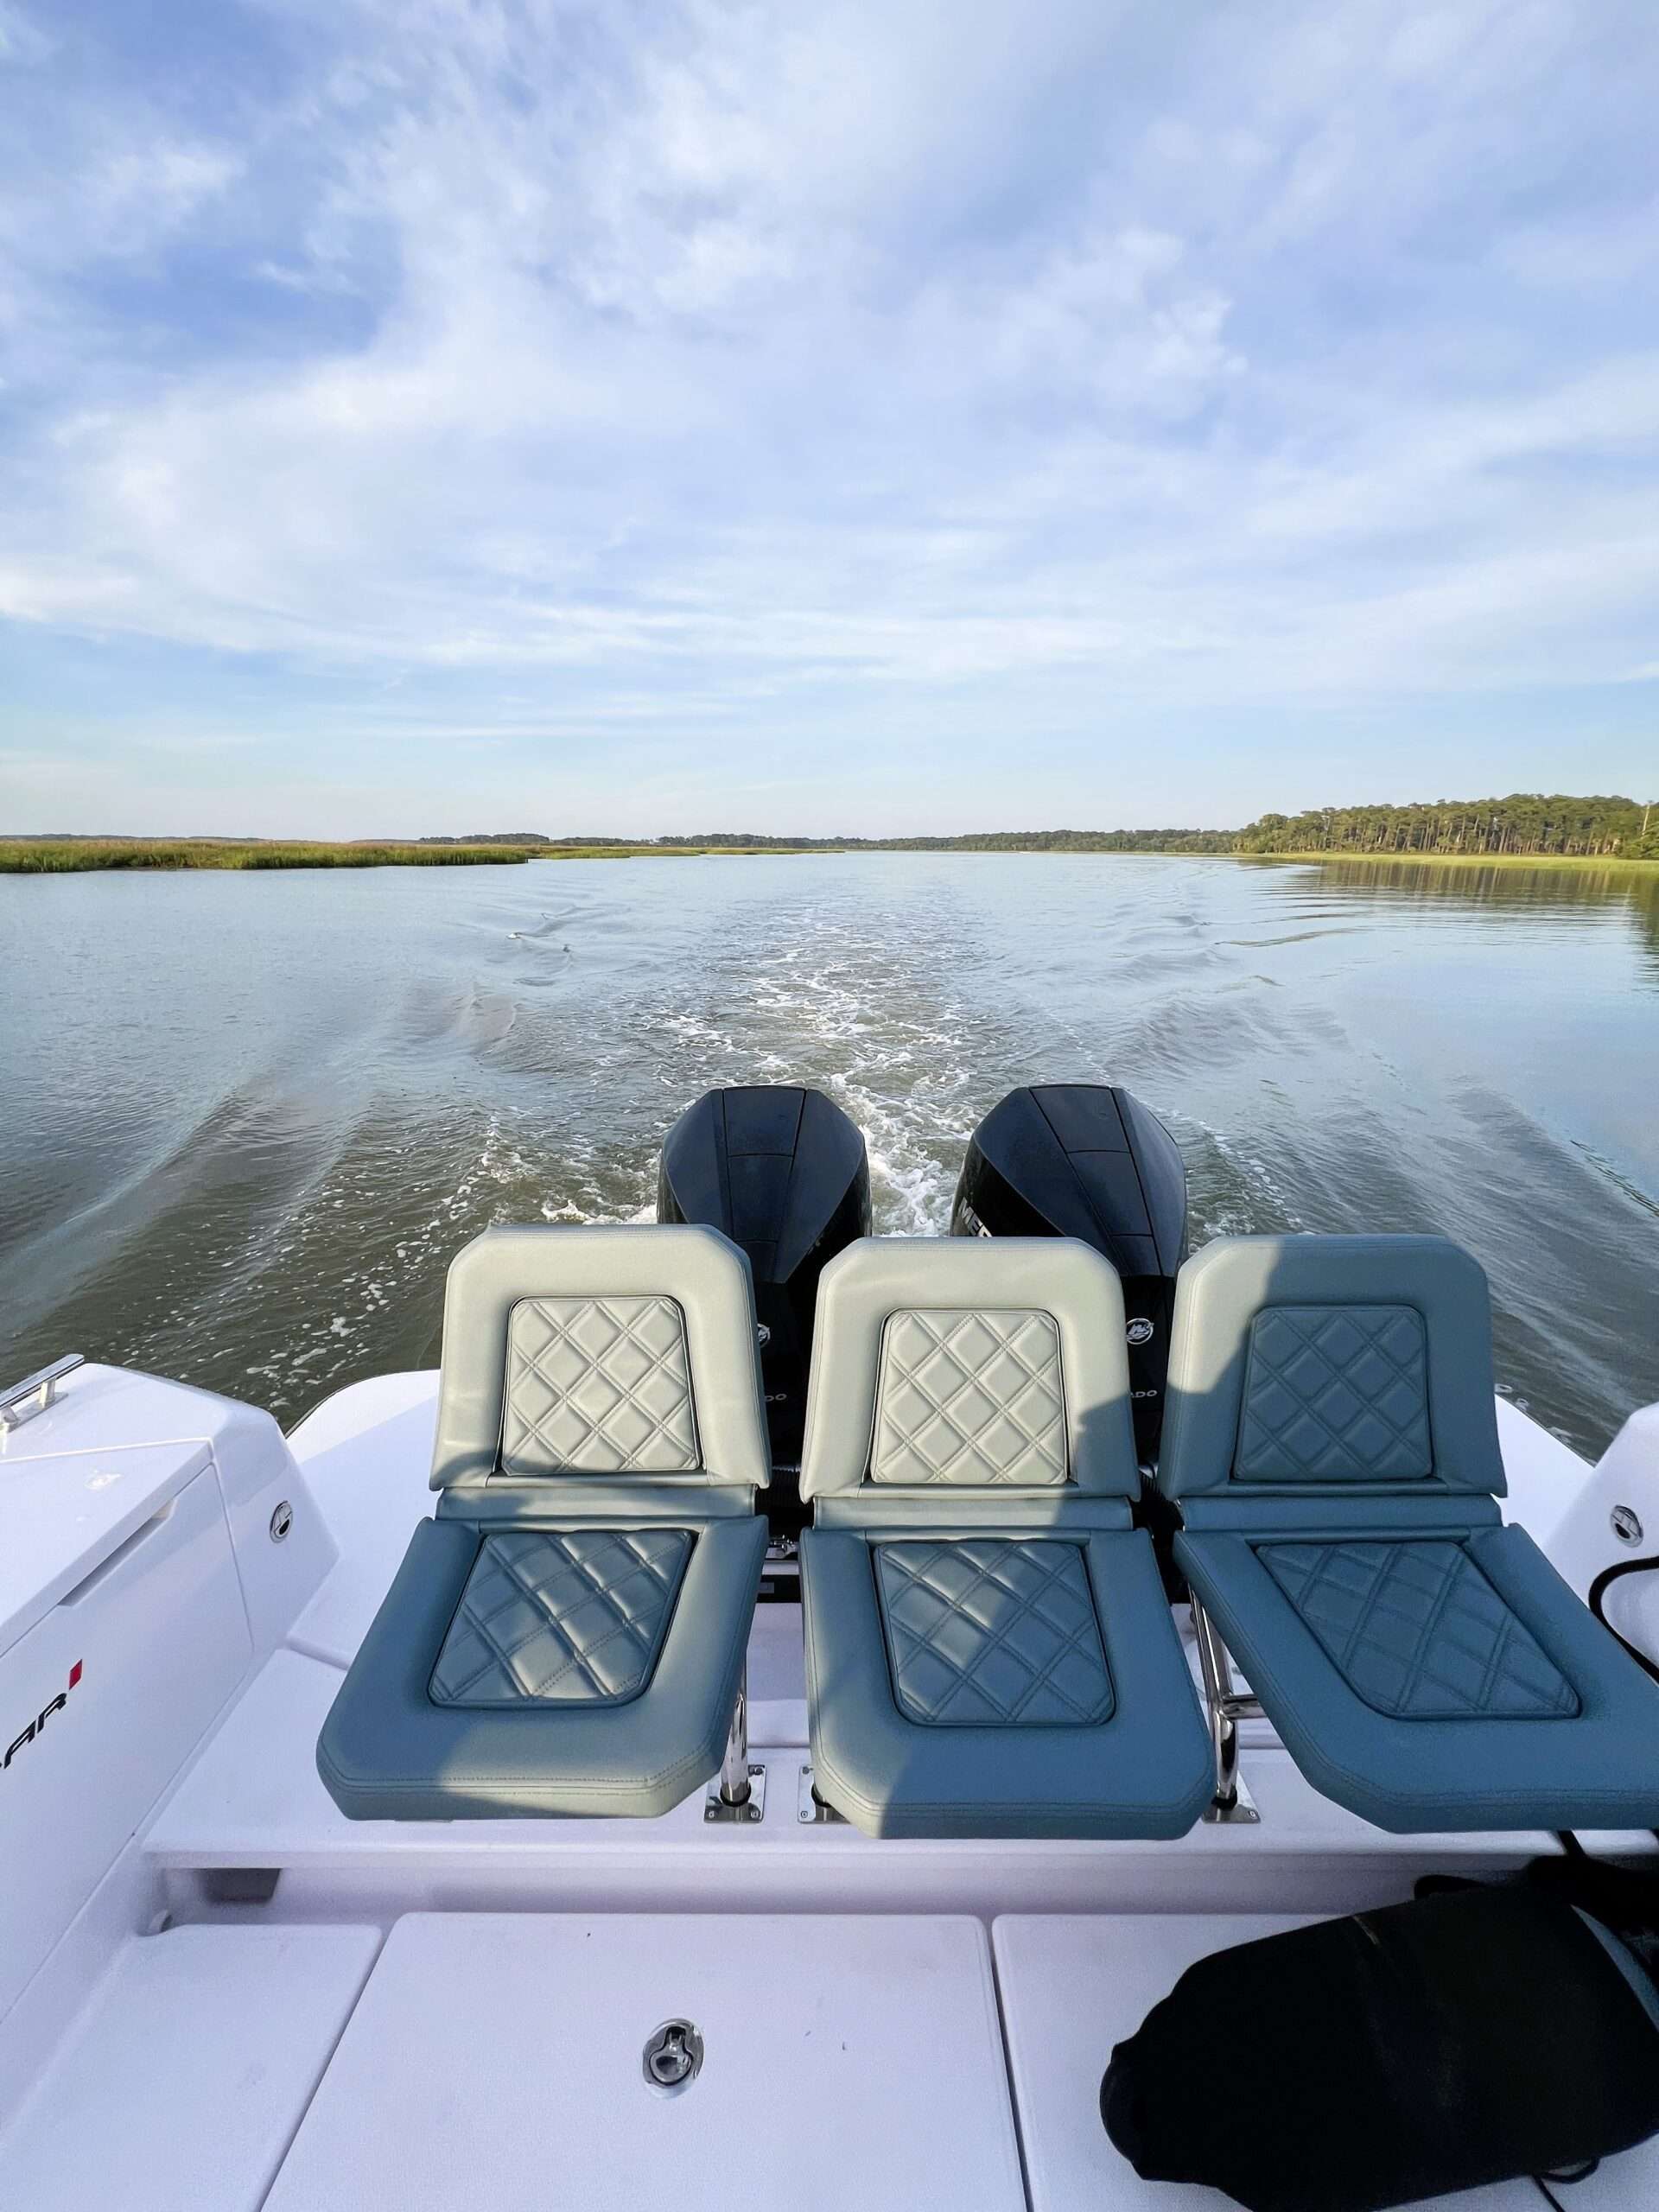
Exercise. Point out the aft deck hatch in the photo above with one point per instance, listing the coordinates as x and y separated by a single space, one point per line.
497 2057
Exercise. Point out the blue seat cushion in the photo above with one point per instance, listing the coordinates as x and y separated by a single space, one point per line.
986 1683
1447 1681
1417 1630
576 1615
992 1632
392 1748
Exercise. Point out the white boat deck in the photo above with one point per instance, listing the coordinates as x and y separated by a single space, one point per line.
422 2014
495 2060
205 2046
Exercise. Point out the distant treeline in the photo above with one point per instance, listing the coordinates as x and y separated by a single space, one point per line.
1525 822
989 840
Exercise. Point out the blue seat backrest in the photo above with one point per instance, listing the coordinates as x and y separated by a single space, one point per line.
1341 1364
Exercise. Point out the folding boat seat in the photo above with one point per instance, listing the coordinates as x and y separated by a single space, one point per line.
989 1651
1331 1442
568 1634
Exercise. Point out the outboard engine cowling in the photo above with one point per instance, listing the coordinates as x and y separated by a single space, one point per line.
1088 1160
783 1172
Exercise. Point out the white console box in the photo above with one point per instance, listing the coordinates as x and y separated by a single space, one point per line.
101 1699
138 1580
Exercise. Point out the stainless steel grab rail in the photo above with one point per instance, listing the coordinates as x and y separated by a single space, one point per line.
37 1391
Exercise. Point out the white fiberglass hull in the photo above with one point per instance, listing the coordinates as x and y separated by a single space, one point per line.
215 1991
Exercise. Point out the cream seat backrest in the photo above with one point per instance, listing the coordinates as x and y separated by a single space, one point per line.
612 1369
964 1382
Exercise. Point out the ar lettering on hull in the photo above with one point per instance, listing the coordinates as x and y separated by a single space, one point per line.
40 1719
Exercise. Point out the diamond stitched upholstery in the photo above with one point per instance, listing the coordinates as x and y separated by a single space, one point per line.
576 1617
992 1632
1335 1393
597 1386
970 1396
1417 1630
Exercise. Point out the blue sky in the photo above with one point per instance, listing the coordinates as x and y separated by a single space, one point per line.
871 416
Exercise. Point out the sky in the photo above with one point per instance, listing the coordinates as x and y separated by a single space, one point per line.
877 415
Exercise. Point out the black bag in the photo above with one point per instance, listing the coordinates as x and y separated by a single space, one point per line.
1473 2035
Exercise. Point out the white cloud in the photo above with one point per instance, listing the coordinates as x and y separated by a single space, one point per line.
717 363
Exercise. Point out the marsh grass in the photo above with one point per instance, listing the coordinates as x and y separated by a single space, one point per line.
77 856
71 855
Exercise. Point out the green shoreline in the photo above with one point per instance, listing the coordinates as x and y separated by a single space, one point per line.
1569 863
77 856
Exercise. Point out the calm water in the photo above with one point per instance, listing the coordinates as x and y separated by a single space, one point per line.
248 1119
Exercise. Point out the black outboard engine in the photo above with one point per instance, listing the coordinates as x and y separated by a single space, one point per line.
1087 1159
783 1172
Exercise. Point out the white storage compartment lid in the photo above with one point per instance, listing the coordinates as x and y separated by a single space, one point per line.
498 2060
184 2078
64 1516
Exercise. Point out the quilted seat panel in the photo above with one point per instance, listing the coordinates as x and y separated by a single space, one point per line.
988 1633
1335 1393
971 1395
598 1386
564 1616
1417 1630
